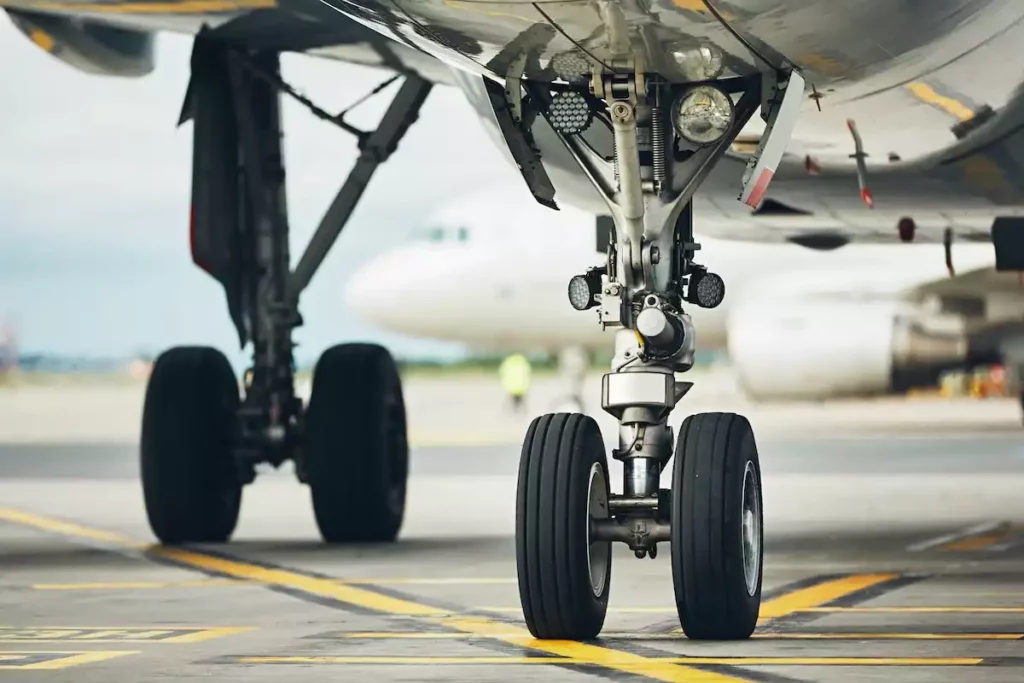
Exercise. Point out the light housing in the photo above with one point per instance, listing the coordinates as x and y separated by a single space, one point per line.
583 289
703 114
570 113
705 289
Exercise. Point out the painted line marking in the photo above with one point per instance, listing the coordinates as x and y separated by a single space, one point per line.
146 585
611 610
989 541
917 610
793 602
819 594
706 661
367 599
120 634
656 637
954 537
430 581
63 528
35 660
136 585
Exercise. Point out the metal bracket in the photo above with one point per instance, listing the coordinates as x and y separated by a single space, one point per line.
520 146
375 148
622 390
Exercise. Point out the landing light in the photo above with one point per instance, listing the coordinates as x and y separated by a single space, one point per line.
706 290
583 290
702 115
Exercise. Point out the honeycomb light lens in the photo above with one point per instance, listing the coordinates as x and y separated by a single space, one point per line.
703 115
580 295
570 112
707 289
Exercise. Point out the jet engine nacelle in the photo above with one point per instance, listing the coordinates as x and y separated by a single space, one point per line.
813 350
92 48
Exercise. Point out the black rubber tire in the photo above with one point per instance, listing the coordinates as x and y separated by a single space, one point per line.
552 554
712 453
190 483
356 447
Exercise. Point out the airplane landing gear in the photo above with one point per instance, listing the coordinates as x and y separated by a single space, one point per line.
356 454
667 137
564 569
201 440
716 525
191 489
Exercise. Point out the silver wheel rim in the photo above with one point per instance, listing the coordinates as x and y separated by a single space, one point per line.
599 553
751 529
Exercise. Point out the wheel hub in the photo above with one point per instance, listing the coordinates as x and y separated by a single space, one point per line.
751 529
599 553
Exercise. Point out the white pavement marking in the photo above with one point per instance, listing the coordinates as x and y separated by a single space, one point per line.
975 530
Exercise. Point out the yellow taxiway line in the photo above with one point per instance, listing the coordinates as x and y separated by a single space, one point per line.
655 637
367 599
802 599
54 659
661 668
696 661
918 610
200 583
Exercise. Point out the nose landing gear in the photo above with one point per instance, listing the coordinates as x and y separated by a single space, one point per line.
666 138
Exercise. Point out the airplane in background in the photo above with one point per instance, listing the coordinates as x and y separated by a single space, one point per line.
880 120
797 324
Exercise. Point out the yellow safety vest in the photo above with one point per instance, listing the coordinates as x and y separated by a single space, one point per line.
515 374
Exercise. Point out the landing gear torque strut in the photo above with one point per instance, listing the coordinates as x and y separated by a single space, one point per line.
201 439
666 139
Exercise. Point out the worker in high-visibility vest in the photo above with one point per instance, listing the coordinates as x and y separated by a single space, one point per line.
515 378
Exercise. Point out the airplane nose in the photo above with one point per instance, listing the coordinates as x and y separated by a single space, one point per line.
369 296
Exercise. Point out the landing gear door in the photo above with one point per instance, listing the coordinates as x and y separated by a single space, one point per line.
785 107
216 191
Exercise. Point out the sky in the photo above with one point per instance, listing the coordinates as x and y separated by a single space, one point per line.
94 196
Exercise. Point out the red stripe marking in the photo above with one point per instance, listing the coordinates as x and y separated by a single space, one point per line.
865 194
760 187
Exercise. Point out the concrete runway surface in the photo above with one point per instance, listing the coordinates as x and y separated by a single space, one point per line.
898 555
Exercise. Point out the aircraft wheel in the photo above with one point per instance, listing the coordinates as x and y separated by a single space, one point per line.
190 485
563 484
356 450
716 522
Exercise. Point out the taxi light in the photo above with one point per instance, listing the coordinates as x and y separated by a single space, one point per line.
583 289
706 289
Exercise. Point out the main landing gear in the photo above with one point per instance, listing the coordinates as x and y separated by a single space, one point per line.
667 136
201 439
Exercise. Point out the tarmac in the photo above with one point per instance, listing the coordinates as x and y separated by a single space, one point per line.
894 550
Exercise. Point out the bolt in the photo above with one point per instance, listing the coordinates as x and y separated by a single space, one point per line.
621 112
655 255
640 554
